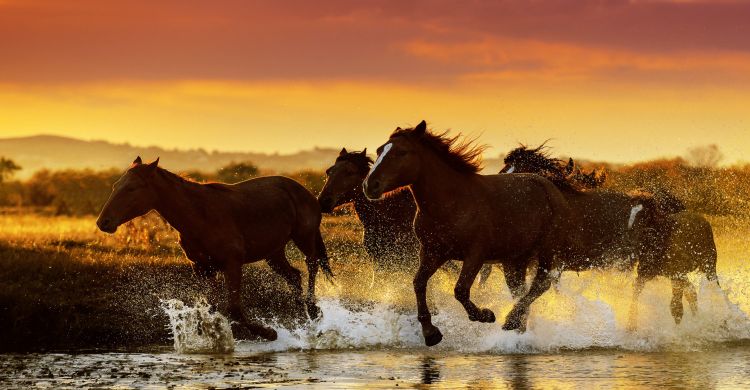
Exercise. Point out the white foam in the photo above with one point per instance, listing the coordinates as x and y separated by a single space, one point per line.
195 329
586 310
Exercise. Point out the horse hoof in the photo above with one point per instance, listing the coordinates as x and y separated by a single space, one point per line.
269 334
313 311
432 336
487 316
512 323
484 315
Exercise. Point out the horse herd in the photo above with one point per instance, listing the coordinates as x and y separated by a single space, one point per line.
424 195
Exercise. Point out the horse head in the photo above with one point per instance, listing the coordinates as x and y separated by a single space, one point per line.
344 179
132 196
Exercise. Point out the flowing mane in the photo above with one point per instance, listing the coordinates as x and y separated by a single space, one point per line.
564 175
361 160
537 157
463 156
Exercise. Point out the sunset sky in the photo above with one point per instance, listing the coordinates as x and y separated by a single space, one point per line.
606 80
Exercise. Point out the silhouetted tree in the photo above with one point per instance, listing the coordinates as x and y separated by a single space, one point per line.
7 168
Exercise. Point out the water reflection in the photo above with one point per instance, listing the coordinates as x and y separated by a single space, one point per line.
430 371
722 367
518 371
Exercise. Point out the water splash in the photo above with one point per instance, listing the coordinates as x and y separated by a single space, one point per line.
563 320
585 311
195 329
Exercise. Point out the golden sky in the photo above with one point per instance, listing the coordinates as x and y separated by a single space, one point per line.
607 80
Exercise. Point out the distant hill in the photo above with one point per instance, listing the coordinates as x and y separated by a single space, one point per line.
55 152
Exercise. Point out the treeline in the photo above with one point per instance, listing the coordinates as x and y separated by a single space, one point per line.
709 190
83 192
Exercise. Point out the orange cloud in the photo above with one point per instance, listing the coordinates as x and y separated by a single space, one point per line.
528 60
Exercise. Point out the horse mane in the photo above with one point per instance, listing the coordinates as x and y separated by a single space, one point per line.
564 175
538 157
361 160
464 156
180 179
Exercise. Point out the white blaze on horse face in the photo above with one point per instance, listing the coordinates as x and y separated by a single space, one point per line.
386 148
511 169
633 212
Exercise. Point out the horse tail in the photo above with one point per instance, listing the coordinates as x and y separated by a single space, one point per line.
322 255
708 265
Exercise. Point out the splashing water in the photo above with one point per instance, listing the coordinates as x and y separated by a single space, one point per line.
584 311
569 318
195 329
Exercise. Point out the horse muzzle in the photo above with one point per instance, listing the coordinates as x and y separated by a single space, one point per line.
106 225
373 189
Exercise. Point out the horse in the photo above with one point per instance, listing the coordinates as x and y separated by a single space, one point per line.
667 239
388 234
465 216
223 226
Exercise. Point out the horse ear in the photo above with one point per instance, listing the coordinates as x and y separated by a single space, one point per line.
364 152
421 127
152 165
137 161
342 152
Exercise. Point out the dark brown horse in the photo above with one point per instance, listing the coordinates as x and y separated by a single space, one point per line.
388 233
462 215
666 239
223 226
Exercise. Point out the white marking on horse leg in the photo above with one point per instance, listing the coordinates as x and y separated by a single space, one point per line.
386 148
633 212
511 169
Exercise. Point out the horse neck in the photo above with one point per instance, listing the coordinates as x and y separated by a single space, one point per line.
434 190
366 210
176 202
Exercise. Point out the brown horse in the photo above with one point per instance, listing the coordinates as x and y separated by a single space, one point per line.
223 226
388 233
666 239
466 216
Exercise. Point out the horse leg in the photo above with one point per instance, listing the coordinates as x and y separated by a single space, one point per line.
462 291
234 283
678 287
692 297
633 315
428 265
314 249
517 317
515 278
279 264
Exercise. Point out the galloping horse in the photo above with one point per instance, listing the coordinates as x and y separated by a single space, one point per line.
666 239
388 234
466 216
223 226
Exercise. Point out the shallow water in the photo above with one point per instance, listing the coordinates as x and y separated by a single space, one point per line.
726 366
